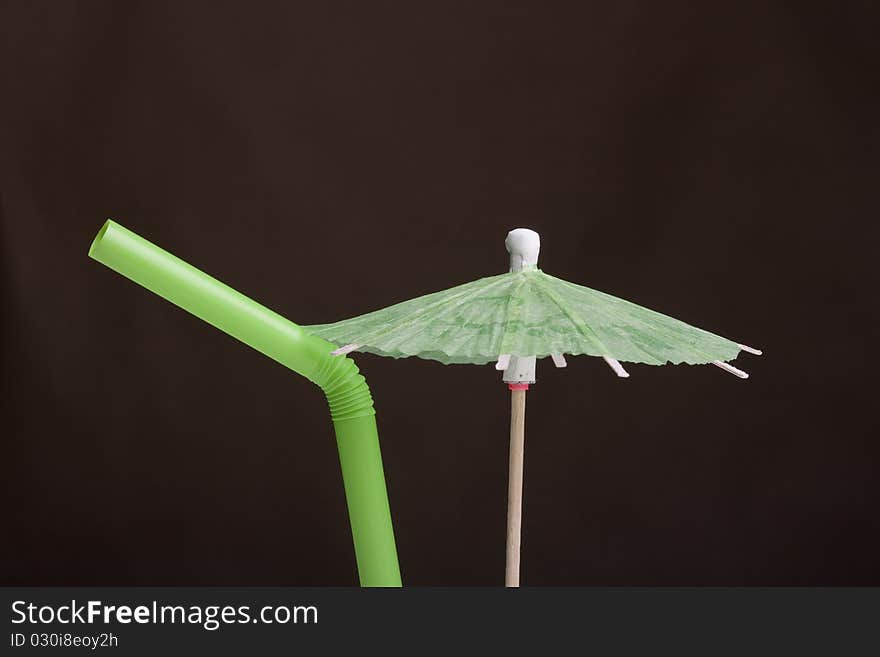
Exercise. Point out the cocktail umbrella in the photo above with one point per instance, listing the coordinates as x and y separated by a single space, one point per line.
515 318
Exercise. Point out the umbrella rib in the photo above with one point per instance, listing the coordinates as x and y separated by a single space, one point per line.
727 367
503 347
347 349
615 365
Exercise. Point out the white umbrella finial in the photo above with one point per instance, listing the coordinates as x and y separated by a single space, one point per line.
523 246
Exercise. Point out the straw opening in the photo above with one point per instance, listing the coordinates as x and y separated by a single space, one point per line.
100 236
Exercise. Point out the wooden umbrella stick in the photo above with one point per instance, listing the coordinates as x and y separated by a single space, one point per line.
515 485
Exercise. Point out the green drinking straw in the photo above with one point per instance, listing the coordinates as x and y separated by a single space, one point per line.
351 406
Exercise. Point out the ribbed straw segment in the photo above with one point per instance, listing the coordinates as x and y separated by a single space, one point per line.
345 387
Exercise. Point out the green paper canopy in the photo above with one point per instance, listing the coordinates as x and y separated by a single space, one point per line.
526 313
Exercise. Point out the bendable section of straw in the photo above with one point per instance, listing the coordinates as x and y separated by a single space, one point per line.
345 387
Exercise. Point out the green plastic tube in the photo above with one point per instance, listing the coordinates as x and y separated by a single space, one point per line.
351 406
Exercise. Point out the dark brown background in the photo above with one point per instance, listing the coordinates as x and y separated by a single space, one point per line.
329 159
